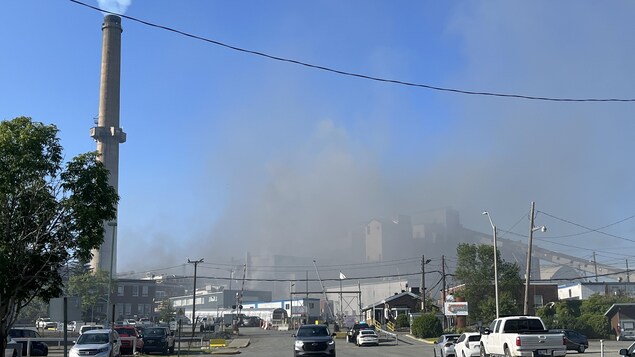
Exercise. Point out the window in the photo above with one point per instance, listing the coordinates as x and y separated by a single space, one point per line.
128 309
148 309
311 305
144 291
286 306
200 300
538 301
135 290
120 291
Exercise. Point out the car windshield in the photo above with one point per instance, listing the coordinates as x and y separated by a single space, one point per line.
474 338
367 332
93 338
154 332
313 331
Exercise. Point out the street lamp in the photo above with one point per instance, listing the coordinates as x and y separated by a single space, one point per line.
532 229
113 226
495 262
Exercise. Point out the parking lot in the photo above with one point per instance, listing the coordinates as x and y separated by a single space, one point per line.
268 343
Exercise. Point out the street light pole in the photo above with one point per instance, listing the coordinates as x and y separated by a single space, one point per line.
495 263
113 226
532 229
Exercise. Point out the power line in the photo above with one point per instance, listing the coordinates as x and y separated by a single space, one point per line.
357 75
589 229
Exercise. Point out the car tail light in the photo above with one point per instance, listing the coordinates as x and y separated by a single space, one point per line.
517 341
564 340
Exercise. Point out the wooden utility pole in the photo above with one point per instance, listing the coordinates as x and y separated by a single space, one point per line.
595 267
195 262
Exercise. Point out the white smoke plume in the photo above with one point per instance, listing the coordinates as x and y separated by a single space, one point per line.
116 6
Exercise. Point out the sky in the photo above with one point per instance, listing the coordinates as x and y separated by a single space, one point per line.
229 152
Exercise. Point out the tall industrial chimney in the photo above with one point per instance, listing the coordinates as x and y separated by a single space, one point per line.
108 134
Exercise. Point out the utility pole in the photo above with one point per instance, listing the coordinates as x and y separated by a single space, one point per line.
195 262
595 267
443 287
628 275
528 270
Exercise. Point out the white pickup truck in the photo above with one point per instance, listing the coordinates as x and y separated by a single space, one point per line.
521 336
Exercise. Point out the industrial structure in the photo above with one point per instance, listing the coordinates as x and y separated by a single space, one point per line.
108 134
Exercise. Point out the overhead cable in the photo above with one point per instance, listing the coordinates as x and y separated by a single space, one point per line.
358 75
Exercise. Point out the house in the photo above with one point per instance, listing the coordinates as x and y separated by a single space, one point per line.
391 307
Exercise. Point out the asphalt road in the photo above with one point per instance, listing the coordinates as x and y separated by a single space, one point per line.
280 343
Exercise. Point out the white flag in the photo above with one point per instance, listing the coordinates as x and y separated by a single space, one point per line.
342 276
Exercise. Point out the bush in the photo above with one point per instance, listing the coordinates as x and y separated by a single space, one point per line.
402 321
426 326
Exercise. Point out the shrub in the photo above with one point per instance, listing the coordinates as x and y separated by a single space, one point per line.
402 321
426 326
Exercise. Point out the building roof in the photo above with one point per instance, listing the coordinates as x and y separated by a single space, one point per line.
615 307
391 298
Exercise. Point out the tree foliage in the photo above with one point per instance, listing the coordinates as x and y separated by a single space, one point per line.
91 288
51 211
586 316
475 270
426 326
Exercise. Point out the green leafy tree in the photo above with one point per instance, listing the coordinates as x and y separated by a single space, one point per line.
91 289
50 212
166 311
426 326
475 270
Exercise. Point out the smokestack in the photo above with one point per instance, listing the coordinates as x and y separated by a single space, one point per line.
107 133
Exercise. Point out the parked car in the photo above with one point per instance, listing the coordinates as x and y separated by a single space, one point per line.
158 339
444 346
44 323
351 336
13 348
313 340
71 326
97 343
367 337
89 328
144 321
127 346
37 348
575 340
468 345
628 352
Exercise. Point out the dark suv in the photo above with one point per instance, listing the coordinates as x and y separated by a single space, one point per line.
158 339
351 336
38 348
313 340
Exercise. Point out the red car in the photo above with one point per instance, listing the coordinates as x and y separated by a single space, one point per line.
127 344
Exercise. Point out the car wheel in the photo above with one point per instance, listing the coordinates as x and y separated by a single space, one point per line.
482 353
581 349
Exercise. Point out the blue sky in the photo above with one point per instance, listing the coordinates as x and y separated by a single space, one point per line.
229 152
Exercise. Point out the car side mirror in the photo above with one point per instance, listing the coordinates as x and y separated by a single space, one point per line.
623 352
485 331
